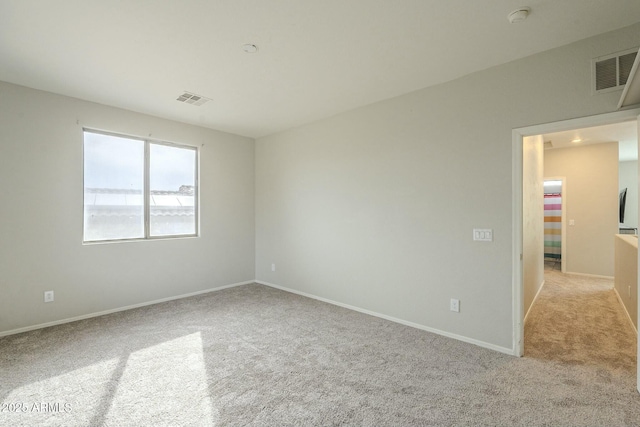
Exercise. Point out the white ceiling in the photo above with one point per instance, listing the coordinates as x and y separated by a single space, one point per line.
316 58
626 134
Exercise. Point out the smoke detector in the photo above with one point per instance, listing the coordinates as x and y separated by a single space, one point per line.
519 15
250 48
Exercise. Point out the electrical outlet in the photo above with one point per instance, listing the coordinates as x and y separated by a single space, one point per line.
455 305
273 267
48 296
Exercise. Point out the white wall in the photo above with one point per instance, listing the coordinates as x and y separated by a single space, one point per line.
375 207
42 214
628 178
532 217
590 197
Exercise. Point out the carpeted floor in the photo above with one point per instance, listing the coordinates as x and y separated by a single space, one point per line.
578 320
253 355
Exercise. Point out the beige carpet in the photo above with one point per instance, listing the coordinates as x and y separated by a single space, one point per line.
256 356
578 320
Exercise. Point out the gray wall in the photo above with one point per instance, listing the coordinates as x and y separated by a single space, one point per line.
375 207
42 214
372 208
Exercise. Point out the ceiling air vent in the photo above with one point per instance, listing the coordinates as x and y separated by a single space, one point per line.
192 98
611 72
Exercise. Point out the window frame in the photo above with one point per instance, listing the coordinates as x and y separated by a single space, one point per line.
146 191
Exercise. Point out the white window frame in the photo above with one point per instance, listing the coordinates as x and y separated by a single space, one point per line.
146 192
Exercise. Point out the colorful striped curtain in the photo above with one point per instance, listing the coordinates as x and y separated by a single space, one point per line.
553 226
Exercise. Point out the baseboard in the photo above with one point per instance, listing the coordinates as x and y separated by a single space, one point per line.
479 343
535 298
597 276
625 310
115 310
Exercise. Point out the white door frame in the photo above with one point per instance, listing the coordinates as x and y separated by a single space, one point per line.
516 192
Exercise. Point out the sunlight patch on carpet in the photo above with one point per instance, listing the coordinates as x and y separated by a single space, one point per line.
167 381
40 402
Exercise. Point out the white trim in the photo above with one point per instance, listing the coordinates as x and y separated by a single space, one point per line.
581 122
624 307
517 136
630 79
637 313
517 249
596 276
535 298
393 319
115 310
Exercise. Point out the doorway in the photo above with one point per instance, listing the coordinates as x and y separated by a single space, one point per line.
518 195
555 234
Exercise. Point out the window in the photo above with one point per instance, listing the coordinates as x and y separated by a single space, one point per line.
138 189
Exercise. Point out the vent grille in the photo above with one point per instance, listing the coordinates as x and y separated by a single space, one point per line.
606 74
192 98
626 64
611 72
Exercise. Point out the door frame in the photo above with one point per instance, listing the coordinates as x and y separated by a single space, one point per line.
517 231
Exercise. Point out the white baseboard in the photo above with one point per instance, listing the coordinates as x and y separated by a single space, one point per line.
115 310
589 275
347 306
533 302
479 343
625 310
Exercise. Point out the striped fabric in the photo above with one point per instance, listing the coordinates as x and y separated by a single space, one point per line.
553 226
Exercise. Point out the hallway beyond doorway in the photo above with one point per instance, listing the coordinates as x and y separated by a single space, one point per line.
578 320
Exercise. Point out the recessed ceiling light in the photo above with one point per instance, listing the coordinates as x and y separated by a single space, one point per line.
576 140
250 48
519 15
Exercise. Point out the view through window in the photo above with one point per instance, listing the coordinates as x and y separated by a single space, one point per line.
138 189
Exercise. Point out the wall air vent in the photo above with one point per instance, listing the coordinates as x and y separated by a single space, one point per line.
611 72
192 98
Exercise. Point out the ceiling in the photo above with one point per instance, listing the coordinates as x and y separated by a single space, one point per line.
626 134
316 58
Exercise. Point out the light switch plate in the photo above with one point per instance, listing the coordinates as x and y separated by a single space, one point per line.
483 234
